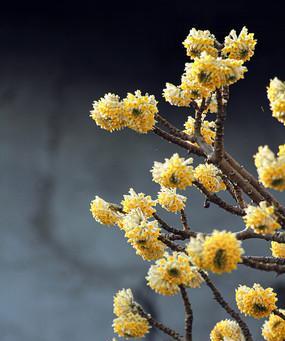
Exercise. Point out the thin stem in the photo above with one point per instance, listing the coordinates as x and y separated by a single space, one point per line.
188 314
219 298
279 269
218 153
159 325
250 234
218 201
184 220
268 260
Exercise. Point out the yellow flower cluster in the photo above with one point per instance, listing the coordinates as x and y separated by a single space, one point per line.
227 330
170 200
207 129
214 73
165 276
219 252
239 46
105 213
140 200
175 95
136 112
261 218
123 302
175 172
271 169
129 323
278 249
256 302
143 235
274 328
276 96
209 176
199 41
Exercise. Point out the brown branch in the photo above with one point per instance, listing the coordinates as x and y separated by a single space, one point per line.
218 153
219 298
188 314
279 269
218 201
184 220
159 325
170 244
279 313
250 234
178 141
268 260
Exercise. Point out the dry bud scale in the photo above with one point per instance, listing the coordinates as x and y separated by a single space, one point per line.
177 267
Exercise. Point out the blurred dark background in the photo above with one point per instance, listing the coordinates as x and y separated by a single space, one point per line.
59 269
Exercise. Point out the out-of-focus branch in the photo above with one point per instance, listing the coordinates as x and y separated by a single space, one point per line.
184 220
279 313
279 269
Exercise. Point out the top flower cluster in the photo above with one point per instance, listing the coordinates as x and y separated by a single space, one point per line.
213 66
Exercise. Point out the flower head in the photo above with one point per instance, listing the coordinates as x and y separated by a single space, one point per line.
227 330
274 328
140 111
131 325
175 172
278 249
214 73
261 218
123 302
143 235
276 96
170 200
175 95
256 301
271 169
140 200
195 250
239 46
198 41
109 113
209 176
104 212
207 129
221 252
165 276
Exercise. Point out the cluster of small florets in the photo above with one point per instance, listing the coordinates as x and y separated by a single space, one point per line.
227 330
136 112
211 68
210 177
271 169
261 218
170 200
175 172
171 271
256 302
207 129
274 328
220 252
143 235
278 249
129 323
276 96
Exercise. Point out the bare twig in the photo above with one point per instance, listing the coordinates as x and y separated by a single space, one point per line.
279 269
188 314
279 313
219 298
172 333
218 201
184 220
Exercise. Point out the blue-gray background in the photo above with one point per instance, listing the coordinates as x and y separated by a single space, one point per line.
59 269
